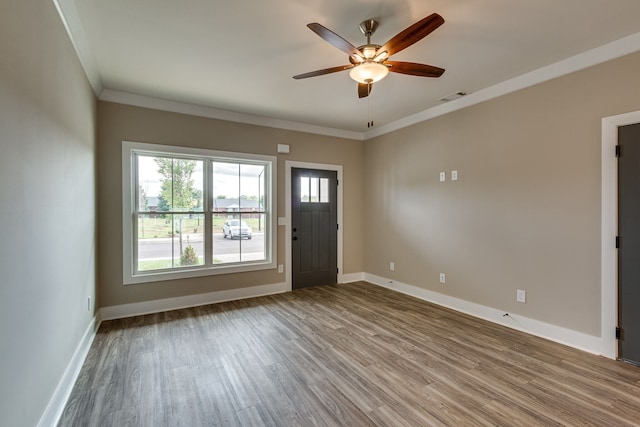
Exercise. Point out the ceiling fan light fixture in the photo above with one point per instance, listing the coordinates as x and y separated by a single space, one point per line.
368 72
381 56
369 52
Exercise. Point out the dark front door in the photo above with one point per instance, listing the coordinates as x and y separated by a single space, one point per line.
629 251
314 227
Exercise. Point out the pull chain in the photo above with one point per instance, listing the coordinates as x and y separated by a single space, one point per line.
369 121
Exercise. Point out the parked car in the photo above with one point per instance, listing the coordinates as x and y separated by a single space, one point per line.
235 228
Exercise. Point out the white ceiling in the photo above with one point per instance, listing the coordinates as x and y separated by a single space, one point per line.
240 55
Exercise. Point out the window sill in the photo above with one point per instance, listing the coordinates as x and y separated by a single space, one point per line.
159 276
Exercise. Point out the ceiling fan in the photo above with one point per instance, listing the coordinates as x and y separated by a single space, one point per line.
369 63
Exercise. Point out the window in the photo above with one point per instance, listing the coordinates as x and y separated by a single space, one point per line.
314 190
191 212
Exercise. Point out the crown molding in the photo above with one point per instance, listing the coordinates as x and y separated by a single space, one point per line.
71 20
214 113
604 53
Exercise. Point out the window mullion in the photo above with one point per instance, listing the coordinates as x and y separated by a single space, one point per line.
135 214
207 176
240 216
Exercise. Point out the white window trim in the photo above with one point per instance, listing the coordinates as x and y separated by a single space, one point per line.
128 204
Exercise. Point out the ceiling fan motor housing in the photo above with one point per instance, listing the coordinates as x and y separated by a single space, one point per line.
368 27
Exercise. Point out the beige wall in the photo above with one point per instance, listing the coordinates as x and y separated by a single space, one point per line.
47 207
525 212
118 122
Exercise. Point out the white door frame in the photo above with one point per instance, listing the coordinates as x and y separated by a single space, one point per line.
609 229
305 165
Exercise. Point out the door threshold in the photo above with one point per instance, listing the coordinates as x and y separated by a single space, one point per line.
629 362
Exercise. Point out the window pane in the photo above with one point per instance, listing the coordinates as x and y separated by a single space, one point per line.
188 240
155 242
149 181
313 183
168 184
254 247
227 232
251 187
304 189
180 184
238 238
169 241
324 190
226 187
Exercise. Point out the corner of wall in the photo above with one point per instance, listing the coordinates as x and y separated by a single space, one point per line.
61 395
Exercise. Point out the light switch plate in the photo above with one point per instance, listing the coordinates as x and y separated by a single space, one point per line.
443 176
454 175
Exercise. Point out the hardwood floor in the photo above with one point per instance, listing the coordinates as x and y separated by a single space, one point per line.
354 355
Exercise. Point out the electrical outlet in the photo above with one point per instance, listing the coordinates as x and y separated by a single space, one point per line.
392 266
280 268
442 278
454 175
521 296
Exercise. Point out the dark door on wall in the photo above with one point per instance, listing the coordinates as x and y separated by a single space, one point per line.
629 247
314 227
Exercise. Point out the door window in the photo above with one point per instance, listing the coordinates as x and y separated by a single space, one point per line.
314 190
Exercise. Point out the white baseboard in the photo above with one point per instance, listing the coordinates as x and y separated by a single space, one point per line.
569 337
581 341
167 304
59 399
351 277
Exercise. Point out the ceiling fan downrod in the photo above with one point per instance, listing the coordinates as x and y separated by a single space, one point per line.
368 27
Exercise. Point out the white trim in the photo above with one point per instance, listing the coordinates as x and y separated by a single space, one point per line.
555 333
352 277
58 401
128 276
607 52
71 20
609 229
215 113
72 23
187 301
305 165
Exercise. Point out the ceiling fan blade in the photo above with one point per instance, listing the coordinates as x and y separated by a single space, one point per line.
411 35
414 69
364 89
334 39
323 72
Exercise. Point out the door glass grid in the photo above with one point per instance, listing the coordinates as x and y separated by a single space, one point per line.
314 190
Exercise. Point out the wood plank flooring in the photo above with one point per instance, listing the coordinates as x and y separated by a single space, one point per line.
352 355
